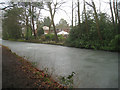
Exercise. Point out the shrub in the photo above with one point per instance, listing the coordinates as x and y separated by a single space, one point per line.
50 37
61 38
114 43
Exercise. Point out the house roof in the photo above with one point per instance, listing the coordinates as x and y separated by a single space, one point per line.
45 28
63 32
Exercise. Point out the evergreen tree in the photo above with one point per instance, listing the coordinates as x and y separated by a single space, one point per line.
12 23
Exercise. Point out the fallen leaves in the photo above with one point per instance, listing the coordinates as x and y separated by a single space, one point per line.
42 79
28 75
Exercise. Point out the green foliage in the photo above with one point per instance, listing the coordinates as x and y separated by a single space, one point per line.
28 34
67 81
50 37
61 38
21 40
79 38
115 43
40 31
34 64
62 24
11 24
46 21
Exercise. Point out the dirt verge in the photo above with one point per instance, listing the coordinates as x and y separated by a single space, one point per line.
19 73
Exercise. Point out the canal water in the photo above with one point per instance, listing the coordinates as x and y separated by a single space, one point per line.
93 68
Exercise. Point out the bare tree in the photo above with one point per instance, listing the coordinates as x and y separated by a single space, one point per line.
117 21
118 12
75 18
52 11
96 18
115 12
72 13
99 6
86 19
111 12
33 25
78 12
52 14
40 6
33 6
27 21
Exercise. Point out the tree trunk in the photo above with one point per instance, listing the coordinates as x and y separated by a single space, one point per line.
118 17
112 13
75 18
115 13
33 27
30 11
38 22
97 22
27 26
78 13
56 38
86 19
72 13
52 19
50 28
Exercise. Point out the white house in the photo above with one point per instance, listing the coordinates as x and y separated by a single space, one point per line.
62 33
46 29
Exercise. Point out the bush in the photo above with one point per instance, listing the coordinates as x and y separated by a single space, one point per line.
61 38
40 31
79 38
50 37
115 43
21 40
28 34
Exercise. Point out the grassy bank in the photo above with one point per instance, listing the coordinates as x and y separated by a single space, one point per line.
38 41
65 43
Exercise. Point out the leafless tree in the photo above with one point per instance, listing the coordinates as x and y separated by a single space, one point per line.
115 8
86 19
53 7
111 12
78 12
72 13
96 18
115 12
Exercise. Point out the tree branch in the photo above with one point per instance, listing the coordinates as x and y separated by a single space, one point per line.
89 4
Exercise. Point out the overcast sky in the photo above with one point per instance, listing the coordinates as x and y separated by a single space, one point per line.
67 7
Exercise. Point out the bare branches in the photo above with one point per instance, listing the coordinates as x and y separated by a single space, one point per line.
111 12
86 19
7 7
52 11
72 13
96 19
65 12
60 4
89 4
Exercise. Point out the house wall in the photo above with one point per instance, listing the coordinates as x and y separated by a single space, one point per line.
46 31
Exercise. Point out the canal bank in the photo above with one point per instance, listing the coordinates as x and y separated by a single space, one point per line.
19 73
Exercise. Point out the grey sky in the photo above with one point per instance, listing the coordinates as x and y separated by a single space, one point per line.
67 7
